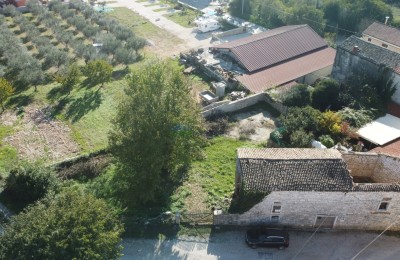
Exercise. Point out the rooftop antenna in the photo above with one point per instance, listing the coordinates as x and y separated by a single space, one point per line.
386 19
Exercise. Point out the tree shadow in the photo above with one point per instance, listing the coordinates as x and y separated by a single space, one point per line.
89 83
79 107
55 93
20 100
61 104
119 74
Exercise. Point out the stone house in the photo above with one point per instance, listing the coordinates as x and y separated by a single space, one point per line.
383 35
318 188
355 53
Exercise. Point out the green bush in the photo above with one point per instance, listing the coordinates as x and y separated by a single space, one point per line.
298 96
28 182
326 95
301 139
327 141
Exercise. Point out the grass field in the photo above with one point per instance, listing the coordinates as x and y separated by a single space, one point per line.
144 28
396 12
184 18
215 174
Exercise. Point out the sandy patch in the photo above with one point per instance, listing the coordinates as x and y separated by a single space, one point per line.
255 125
38 136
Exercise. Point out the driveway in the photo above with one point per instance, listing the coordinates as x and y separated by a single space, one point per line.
192 39
231 245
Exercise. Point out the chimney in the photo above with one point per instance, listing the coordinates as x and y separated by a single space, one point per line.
386 19
356 49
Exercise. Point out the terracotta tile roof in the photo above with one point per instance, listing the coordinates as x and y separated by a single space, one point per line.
288 153
393 109
274 46
288 71
392 148
372 53
384 32
293 170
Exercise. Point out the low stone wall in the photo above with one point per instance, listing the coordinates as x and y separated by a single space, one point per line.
243 103
219 35
381 168
235 105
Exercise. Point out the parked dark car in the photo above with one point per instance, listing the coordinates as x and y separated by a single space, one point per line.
256 237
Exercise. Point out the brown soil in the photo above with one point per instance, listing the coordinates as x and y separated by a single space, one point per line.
38 136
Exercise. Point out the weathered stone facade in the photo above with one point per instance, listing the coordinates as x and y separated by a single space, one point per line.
380 168
365 206
349 210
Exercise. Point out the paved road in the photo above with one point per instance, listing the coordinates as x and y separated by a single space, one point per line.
191 38
231 246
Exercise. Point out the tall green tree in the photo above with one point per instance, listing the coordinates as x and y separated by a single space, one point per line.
69 78
6 91
98 72
69 225
157 131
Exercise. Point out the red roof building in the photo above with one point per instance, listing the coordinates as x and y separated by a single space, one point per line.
276 57
383 35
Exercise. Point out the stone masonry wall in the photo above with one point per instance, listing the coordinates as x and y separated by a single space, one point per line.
381 168
351 210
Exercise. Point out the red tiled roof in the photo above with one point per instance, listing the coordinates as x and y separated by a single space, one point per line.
286 72
383 32
392 148
274 46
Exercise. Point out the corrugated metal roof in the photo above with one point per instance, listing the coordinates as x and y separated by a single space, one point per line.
288 71
274 46
383 32
382 130
288 153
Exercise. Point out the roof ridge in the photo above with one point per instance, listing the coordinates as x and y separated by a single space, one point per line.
295 27
383 25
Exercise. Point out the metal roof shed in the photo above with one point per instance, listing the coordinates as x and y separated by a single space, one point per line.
382 130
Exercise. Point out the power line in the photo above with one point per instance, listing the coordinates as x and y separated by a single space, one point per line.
370 243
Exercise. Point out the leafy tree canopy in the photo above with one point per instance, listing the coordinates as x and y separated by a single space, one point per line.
158 130
68 225
298 96
326 95
6 91
98 72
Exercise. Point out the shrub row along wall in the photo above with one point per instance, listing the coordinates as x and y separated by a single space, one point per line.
381 168
228 107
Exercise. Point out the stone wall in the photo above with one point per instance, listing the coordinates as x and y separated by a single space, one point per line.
217 36
351 210
381 168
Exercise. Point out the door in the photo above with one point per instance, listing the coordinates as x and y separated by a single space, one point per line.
325 221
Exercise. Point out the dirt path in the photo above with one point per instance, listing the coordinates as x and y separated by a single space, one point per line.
190 38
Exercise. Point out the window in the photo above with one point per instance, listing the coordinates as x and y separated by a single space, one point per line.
274 219
276 208
384 45
369 39
383 206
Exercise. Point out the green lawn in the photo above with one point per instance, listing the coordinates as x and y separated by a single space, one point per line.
144 28
184 17
8 154
216 172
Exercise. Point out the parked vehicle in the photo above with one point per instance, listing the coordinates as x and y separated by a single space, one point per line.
257 237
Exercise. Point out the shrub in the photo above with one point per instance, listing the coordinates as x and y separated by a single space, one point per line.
298 96
301 139
29 182
356 118
327 141
217 125
329 123
326 95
